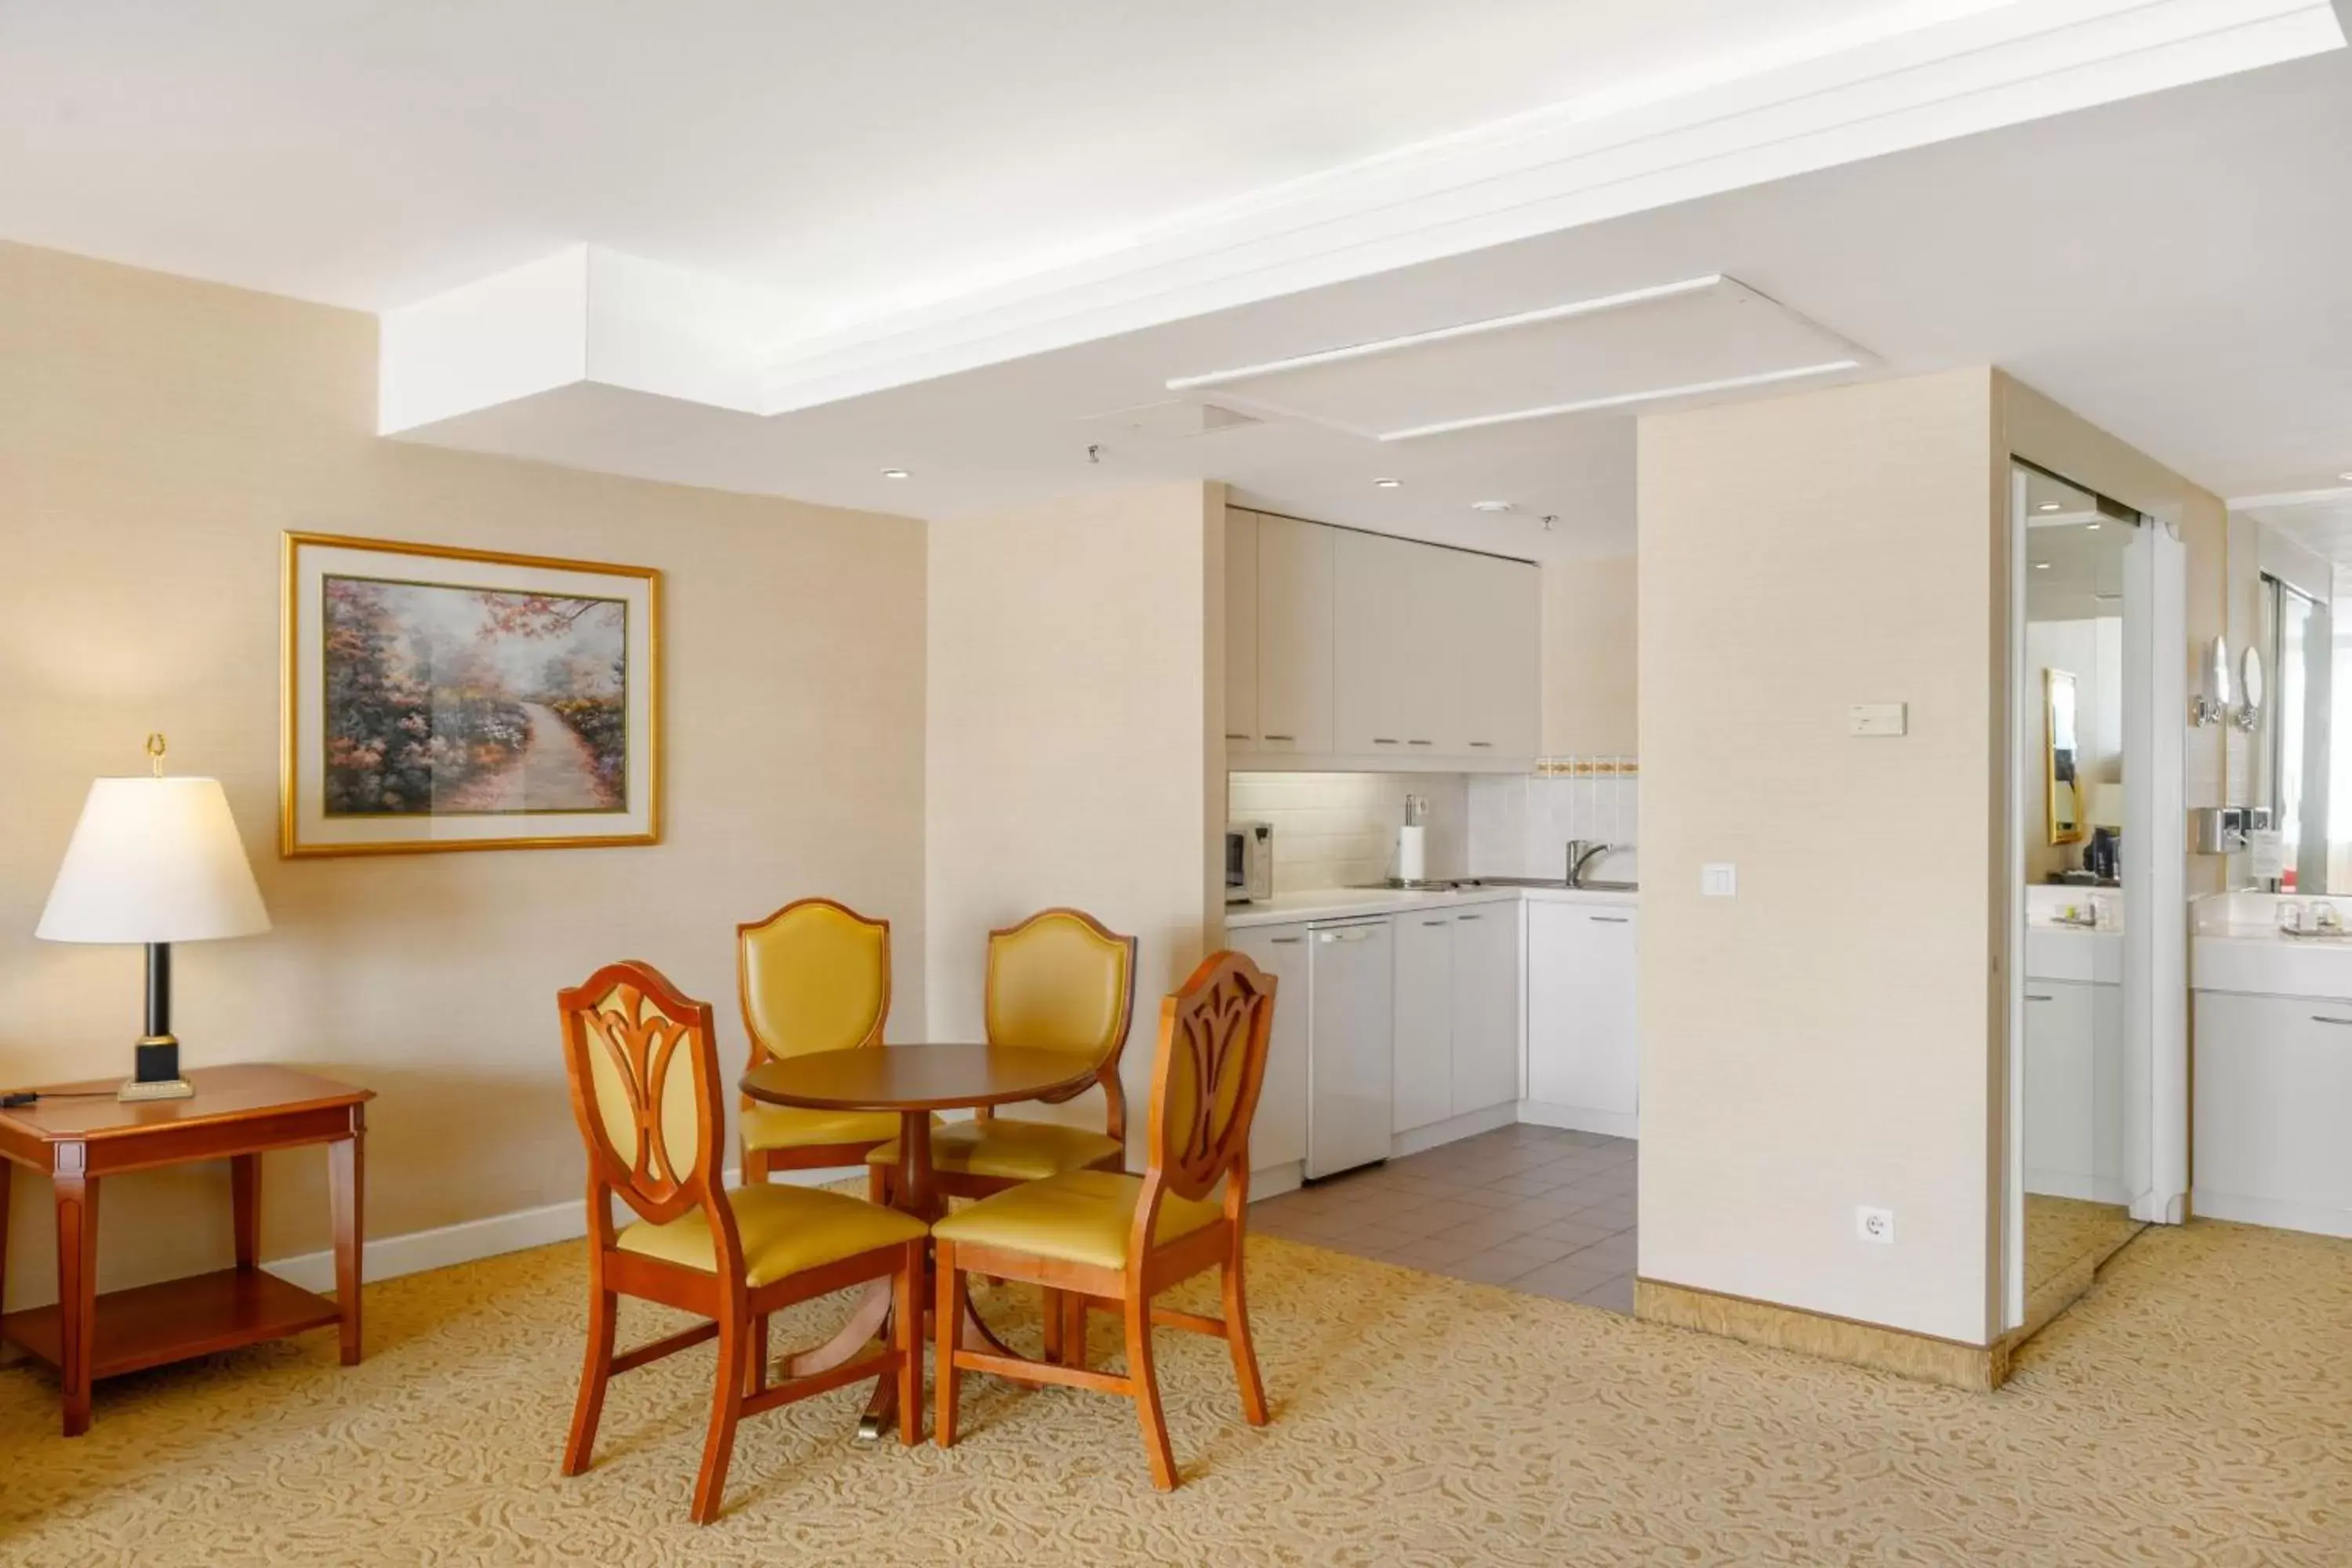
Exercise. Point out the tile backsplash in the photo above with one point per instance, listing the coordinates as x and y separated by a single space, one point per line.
1520 825
1333 830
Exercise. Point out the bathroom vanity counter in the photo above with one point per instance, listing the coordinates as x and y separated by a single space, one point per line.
2273 1030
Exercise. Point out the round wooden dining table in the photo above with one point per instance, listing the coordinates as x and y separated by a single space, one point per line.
912 1080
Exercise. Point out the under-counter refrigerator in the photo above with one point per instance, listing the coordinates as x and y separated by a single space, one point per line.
1350 1050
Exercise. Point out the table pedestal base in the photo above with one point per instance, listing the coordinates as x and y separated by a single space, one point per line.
870 1319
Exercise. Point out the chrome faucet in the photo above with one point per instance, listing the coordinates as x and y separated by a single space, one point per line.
1582 852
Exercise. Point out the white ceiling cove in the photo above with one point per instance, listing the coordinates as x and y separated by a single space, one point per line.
1689 338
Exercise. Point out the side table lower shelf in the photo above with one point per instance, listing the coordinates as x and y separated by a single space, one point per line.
175 1318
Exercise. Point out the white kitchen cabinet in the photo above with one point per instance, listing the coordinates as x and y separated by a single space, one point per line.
1241 635
1485 1007
1389 628
1496 612
1424 1020
1294 604
1583 1060
1279 1136
1344 647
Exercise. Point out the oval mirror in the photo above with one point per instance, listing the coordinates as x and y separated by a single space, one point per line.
2217 673
2250 678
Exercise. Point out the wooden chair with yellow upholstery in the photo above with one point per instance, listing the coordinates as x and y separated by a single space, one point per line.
643 1065
1100 1237
813 976
1059 981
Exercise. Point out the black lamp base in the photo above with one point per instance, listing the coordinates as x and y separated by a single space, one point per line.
155 1074
158 1060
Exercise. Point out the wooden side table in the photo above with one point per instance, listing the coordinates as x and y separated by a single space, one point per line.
236 1114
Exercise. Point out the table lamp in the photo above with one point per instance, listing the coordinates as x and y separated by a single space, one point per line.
154 860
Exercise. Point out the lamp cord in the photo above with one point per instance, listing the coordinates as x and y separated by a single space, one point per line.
21 1097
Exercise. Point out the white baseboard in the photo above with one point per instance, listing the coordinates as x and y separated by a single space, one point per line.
390 1257
2317 1218
1467 1125
1580 1119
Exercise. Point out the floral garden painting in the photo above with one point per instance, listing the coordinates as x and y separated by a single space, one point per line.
442 699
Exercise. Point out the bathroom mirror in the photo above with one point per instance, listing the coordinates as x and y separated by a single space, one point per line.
2288 708
2212 705
2062 768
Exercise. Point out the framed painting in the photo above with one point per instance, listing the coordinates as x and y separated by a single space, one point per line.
445 698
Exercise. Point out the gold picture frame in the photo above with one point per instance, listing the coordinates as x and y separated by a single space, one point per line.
423 724
2062 757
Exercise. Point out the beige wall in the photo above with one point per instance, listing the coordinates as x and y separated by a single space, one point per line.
156 435
1826 1038
1076 755
1589 695
1834 1036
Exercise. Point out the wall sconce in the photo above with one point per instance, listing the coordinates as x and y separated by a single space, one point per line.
2248 715
2212 705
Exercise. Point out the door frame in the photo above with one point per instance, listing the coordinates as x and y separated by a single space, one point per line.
2155 890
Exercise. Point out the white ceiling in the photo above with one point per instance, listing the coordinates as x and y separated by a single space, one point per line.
845 156
2320 520
2171 266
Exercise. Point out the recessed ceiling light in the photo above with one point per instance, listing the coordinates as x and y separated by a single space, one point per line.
2047 506
1389 484
1491 505
2042 566
2346 476
2093 527
894 473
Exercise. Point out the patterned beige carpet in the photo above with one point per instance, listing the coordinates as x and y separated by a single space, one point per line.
2195 1408
2061 1232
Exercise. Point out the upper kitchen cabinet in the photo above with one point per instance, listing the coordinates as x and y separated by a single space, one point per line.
1242 529
1497 607
1351 650
1294 611
1394 662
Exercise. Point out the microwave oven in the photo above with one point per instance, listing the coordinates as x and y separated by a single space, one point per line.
1249 861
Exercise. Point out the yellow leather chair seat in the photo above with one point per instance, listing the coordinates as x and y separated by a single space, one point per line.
784 1230
791 1127
1079 1216
1008 1149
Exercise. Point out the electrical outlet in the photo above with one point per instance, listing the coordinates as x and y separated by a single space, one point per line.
1718 880
1875 1225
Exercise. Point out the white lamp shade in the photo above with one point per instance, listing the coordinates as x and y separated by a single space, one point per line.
153 860
2107 806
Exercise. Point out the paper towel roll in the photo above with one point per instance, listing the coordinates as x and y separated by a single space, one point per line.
1411 862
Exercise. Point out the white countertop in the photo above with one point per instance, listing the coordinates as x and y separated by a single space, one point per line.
1344 903
2236 945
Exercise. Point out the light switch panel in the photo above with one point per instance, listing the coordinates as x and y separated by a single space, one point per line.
1878 718
1720 880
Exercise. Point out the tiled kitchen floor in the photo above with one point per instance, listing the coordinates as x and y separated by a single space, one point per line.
1528 1208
